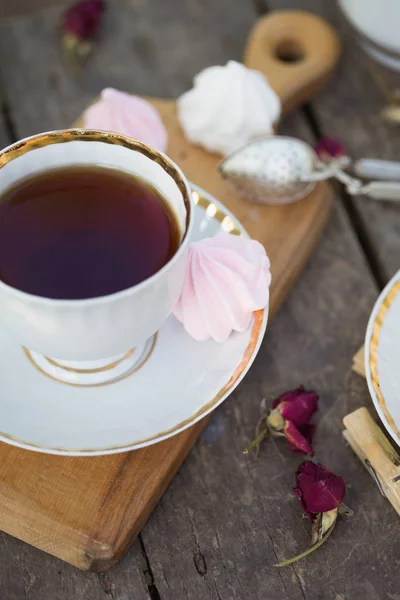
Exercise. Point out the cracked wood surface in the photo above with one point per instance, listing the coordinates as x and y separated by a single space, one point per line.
226 518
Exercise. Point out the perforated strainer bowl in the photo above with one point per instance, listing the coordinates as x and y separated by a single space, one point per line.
269 170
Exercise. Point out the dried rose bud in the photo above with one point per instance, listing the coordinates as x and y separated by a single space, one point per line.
291 415
329 148
79 25
83 19
289 418
318 489
297 406
320 493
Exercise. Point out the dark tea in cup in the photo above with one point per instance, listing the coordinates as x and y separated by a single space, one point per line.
82 232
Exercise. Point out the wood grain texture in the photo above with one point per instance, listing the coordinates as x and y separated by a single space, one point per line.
143 47
96 536
27 573
225 518
375 452
358 362
8 9
85 510
154 48
121 491
349 108
242 516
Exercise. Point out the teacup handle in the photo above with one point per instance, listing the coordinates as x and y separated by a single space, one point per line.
296 50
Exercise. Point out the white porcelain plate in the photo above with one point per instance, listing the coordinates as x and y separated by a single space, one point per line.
382 356
178 383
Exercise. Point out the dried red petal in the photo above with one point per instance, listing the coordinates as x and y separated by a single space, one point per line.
296 440
297 406
329 147
307 431
82 19
318 489
299 496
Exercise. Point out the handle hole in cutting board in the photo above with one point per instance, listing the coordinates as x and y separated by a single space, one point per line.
289 51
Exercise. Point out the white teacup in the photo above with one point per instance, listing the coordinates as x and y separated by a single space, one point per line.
98 340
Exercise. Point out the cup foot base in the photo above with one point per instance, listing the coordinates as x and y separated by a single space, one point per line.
97 372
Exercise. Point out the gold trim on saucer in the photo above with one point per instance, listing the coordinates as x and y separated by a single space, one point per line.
213 211
255 334
91 385
91 371
373 352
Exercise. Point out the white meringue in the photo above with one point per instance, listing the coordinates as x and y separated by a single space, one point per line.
227 107
227 279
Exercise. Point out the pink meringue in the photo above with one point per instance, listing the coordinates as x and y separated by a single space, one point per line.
123 113
227 279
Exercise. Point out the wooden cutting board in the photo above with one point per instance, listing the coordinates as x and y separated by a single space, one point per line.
87 511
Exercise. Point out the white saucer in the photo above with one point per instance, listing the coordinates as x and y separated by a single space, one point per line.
178 382
382 356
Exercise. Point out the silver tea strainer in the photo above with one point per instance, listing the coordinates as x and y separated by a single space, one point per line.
281 169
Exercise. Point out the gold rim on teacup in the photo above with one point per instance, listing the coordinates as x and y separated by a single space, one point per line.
62 136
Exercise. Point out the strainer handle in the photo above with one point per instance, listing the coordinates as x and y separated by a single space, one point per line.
381 190
372 168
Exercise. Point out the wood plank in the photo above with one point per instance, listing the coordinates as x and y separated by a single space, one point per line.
120 491
4 135
358 362
142 47
31 109
225 519
126 487
344 109
26 572
375 452
349 108
233 516
9 9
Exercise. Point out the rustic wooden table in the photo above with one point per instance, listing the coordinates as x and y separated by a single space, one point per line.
226 519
